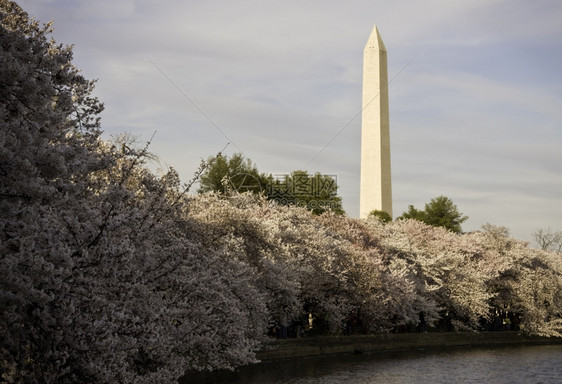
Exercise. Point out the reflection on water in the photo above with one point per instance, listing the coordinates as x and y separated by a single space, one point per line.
514 365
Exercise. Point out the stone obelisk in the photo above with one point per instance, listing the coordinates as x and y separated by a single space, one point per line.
376 187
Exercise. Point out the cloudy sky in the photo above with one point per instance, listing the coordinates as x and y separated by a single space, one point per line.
475 93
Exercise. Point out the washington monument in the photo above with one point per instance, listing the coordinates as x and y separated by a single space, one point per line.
376 187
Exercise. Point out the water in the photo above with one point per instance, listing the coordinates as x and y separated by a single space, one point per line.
505 365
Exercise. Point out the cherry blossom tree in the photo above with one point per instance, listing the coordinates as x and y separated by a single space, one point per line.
101 275
443 266
237 226
527 283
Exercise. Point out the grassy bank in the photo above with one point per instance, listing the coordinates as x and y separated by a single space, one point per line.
333 345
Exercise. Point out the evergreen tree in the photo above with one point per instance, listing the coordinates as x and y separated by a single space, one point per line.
381 215
236 173
439 212
317 193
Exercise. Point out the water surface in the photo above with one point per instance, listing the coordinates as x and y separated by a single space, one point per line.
502 365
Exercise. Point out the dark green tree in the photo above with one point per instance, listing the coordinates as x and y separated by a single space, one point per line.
317 192
439 212
382 215
235 173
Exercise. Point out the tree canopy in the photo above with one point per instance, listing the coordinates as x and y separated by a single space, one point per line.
103 277
234 173
439 212
317 193
548 239
381 215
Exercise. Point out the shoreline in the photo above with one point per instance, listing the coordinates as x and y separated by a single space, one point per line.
293 348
